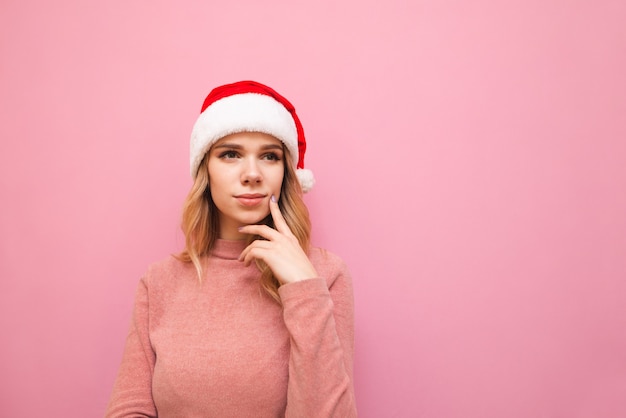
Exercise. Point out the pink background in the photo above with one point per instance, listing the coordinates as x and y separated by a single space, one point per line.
471 166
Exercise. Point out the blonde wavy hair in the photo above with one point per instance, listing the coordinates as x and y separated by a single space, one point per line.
200 221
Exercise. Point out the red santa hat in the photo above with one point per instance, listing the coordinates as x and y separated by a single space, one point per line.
248 106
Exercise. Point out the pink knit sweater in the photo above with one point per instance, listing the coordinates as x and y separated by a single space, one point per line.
222 348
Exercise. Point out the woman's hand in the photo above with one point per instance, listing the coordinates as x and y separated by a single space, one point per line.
281 252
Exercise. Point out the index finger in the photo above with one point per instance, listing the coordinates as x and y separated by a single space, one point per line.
277 216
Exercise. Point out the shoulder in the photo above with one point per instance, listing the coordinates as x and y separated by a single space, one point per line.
329 265
166 273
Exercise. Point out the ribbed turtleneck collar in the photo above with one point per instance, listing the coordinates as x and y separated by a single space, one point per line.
228 249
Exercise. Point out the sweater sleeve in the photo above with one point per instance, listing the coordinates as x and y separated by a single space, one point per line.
319 315
132 391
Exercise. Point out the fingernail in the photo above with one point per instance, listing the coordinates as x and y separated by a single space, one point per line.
273 198
239 228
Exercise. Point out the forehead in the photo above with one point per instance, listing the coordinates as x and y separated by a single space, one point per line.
249 140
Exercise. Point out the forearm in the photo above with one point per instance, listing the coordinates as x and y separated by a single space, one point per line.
320 364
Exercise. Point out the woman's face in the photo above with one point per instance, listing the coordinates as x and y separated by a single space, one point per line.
245 170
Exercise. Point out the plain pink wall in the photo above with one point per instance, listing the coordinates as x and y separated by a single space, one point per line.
471 166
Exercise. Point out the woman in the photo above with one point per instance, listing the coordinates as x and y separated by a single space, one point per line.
249 320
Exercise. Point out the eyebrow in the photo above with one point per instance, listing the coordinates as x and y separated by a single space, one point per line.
238 146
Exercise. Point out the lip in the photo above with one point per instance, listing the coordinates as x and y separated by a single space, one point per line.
250 199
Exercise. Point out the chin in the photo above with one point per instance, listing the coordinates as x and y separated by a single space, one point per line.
251 220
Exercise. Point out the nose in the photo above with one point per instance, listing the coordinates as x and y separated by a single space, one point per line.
251 172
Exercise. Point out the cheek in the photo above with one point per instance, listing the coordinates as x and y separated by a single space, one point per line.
217 178
278 182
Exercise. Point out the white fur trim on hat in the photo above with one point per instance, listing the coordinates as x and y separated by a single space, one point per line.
306 179
246 112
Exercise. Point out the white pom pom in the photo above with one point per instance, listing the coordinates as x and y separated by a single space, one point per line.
306 179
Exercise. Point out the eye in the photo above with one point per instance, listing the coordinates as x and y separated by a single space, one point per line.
271 156
228 155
